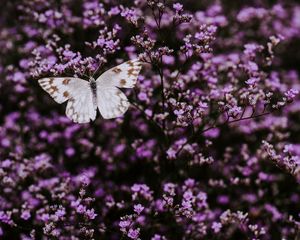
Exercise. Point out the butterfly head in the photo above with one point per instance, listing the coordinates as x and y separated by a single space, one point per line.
92 79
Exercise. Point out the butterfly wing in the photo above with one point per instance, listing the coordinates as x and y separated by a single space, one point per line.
80 106
62 89
81 109
124 75
111 101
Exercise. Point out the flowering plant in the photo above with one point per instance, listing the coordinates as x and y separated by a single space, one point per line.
208 150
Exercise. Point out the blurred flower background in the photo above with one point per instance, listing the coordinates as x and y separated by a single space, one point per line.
209 148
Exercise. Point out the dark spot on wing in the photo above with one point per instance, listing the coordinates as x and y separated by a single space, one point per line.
116 70
122 82
66 94
66 81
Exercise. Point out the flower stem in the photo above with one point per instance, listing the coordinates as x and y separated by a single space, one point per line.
218 125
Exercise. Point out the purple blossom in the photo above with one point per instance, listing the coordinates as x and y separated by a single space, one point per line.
60 213
133 233
158 237
25 215
124 224
291 94
252 81
91 213
178 7
81 209
138 208
216 226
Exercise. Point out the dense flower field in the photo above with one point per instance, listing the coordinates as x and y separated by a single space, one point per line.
209 148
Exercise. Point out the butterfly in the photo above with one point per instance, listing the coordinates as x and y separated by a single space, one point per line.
84 97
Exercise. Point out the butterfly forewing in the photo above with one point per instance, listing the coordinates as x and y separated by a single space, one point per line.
123 76
61 89
111 101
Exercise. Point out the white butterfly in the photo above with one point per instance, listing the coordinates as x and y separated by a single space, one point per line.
85 96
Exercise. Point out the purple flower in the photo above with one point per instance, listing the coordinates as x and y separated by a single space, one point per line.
25 214
114 11
234 111
291 94
216 226
81 209
252 81
158 237
138 208
178 7
133 233
60 213
70 152
124 224
91 213
45 217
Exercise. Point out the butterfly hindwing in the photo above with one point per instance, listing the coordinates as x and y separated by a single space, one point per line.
80 107
111 102
123 76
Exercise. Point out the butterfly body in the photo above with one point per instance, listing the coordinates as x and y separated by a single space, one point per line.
93 86
84 97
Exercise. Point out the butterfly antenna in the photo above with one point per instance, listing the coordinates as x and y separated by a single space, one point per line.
88 77
99 65
75 74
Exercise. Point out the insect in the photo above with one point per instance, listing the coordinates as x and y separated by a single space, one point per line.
84 97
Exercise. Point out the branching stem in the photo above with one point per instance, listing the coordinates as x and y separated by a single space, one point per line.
199 132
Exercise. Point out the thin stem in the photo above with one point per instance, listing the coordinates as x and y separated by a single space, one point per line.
99 65
162 95
145 115
251 117
157 19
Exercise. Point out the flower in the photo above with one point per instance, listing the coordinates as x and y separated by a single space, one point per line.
138 208
25 215
216 226
91 213
178 7
133 233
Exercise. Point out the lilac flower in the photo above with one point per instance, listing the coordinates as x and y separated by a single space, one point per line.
252 81
91 213
124 224
81 209
133 233
291 94
216 226
60 213
25 215
178 7
234 111
158 237
45 217
138 208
